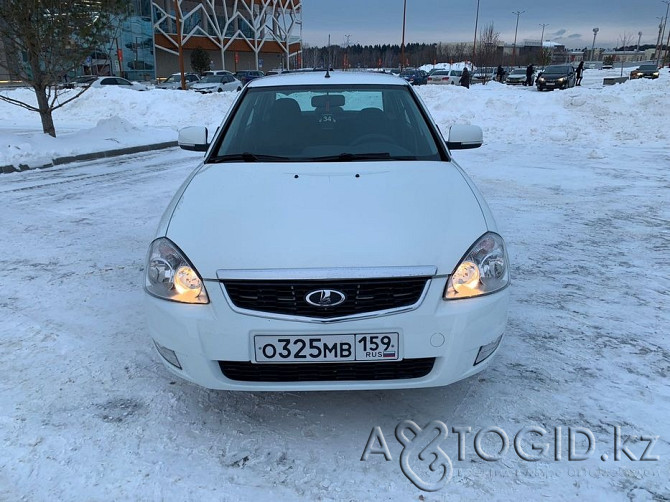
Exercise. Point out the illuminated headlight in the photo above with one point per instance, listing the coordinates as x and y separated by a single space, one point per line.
562 79
541 79
483 270
655 74
169 275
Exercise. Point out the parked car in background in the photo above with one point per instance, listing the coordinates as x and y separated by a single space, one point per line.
107 81
647 70
556 77
357 290
246 76
444 77
83 81
217 83
174 81
414 77
518 77
483 75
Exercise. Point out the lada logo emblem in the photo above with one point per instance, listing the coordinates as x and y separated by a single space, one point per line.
325 298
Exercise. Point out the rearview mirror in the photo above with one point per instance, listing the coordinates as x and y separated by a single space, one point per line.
462 137
193 139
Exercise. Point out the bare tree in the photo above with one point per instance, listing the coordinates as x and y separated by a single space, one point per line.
487 46
44 39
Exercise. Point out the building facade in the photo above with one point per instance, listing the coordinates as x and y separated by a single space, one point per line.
237 34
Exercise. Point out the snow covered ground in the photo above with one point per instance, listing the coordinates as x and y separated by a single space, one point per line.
580 186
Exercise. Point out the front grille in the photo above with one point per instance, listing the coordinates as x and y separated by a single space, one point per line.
327 372
287 297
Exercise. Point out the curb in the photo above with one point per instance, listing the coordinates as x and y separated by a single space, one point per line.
91 156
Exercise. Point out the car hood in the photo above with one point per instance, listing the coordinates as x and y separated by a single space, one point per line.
326 215
554 76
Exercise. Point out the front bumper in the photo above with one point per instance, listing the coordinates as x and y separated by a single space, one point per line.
452 332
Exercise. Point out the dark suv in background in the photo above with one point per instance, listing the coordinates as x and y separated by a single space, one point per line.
647 70
558 76
415 77
245 76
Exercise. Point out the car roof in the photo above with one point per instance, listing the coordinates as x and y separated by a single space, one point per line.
336 78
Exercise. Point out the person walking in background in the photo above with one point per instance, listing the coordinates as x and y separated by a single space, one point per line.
500 74
580 71
529 75
465 78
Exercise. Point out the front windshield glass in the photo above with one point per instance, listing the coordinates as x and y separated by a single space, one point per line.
648 67
308 123
210 79
556 69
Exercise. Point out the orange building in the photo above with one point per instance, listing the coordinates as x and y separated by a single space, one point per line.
238 34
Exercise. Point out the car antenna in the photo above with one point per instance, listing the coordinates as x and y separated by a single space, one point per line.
327 75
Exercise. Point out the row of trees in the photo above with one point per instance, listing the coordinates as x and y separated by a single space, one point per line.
488 53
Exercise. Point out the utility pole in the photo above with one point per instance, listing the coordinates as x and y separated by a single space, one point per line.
177 15
518 13
660 48
474 44
542 42
593 45
667 47
402 45
542 36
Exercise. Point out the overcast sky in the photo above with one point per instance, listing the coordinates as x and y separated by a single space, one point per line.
569 22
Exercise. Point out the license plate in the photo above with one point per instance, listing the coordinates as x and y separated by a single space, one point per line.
327 348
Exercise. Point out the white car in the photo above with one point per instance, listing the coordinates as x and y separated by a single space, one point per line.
121 83
174 81
328 240
217 83
450 77
518 77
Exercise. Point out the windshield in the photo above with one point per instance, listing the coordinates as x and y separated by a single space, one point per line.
313 123
210 79
556 69
172 79
518 72
648 67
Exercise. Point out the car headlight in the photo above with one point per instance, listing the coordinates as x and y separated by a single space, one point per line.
169 275
541 79
562 79
655 74
483 270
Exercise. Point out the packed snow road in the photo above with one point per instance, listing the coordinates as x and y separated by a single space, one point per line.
89 413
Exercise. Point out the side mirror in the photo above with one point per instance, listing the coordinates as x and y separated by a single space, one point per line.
462 137
193 139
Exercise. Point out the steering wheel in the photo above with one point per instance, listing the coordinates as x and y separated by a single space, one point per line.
371 138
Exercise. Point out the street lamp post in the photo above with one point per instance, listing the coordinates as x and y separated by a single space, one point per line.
402 47
593 45
474 44
518 13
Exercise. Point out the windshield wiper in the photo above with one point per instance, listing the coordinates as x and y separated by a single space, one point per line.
247 157
349 157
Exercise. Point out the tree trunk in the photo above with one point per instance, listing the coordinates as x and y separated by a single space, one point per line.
45 112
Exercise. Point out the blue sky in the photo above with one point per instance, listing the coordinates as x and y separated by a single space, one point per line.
569 22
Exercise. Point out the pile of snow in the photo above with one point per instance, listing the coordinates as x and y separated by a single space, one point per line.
106 119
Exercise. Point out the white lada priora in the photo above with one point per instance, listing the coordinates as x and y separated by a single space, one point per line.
327 241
